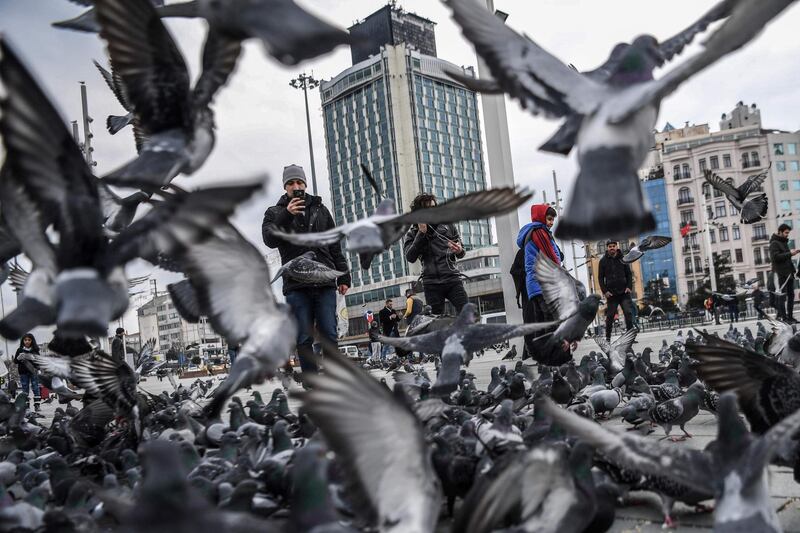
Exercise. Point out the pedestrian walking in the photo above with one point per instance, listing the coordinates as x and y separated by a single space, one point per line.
118 346
374 343
389 319
784 271
758 302
28 376
414 307
616 281
313 305
438 247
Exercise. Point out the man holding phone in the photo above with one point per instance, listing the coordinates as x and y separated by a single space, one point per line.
314 306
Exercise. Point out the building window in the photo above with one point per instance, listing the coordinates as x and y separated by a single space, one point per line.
684 195
783 185
745 160
754 159
687 217
723 234
726 254
780 166
688 265
686 173
709 212
707 190
759 231
737 235
713 235
786 205
794 166
777 148
726 161
733 210
676 172
714 160
698 264
719 210
757 256
791 148
702 165
739 256
690 286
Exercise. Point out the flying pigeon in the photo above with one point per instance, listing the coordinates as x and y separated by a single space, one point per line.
459 342
734 468
567 300
115 123
619 114
653 242
371 235
87 21
752 209
381 444
306 269
176 119
615 351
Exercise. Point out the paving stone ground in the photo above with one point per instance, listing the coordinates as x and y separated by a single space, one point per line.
643 514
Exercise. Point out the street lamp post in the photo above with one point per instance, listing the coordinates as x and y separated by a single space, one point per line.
308 82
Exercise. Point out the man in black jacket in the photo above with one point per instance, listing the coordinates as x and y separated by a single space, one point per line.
615 280
118 346
783 270
300 212
438 246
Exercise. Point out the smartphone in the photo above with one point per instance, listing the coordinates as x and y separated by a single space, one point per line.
299 193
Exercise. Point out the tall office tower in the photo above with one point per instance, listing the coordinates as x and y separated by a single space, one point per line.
391 26
416 130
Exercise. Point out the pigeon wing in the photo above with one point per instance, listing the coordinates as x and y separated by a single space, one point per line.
220 54
101 376
426 343
746 21
480 336
558 288
653 242
17 277
540 81
149 62
603 344
312 240
184 297
472 206
723 186
381 442
54 366
675 44
624 342
682 464
751 184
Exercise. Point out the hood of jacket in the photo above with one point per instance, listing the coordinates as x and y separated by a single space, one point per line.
523 232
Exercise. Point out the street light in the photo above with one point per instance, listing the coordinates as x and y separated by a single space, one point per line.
308 82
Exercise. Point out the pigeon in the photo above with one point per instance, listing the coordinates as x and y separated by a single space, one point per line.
567 300
605 401
381 444
459 342
752 209
175 119
306 269
371 235
615 351
653 242
678 412
87 21
733 468
512 353
115 123
618 114
565 138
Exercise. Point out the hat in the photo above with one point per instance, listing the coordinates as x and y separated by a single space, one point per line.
293 172
611 241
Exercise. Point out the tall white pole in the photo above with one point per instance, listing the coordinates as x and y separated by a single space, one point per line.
710 255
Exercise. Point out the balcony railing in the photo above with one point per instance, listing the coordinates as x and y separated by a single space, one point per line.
691 247
760 237
684 201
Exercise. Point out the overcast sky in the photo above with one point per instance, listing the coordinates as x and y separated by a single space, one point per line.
261 120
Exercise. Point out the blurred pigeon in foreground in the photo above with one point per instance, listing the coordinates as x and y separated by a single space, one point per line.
371 235
653 242
87 21
619 113
115 123
753 209
306 269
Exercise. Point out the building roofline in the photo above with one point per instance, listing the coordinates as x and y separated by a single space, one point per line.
390 7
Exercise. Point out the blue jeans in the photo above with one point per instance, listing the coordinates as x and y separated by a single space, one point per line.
33 382
314 309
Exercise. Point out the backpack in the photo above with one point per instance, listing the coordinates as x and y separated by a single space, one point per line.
518 273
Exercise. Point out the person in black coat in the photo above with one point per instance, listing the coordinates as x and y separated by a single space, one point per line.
783 270
27 371
616 282
758 302
118 346
313 305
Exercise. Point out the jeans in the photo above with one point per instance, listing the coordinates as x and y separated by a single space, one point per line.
436 294
612 303
27 381
232 355
314 309
386 347
375 348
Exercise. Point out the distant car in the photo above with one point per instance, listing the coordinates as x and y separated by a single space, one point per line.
351 352
493 318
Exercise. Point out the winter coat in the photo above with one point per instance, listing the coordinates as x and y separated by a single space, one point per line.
613 275
25 366
781 256
438 261
532 253
315 219
118 349
374 331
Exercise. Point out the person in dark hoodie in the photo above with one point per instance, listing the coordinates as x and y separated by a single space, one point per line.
438 247
27 371
314 306
616 281
537 241
783 271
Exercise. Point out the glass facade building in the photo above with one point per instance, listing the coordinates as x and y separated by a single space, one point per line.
391 25
659 263
416 130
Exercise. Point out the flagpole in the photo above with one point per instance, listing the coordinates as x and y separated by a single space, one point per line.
711 272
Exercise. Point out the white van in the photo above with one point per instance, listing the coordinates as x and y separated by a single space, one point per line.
351 352
494 318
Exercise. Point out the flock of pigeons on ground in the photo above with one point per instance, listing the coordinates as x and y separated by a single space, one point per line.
357 455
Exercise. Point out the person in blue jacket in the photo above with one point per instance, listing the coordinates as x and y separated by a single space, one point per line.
537 240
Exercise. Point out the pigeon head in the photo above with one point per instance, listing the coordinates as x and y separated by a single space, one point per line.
638 62
588 307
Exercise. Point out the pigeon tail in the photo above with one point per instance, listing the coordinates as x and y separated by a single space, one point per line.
447 380
607 200
150 171
114 123
184 297
564 139
86 22
27 315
